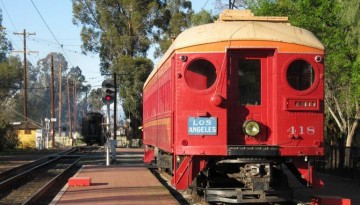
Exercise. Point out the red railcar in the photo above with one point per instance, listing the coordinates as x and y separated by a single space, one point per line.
231 103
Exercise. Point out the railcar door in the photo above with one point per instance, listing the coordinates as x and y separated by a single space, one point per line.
249 77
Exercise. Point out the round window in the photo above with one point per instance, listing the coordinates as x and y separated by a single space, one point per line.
200 74
300 75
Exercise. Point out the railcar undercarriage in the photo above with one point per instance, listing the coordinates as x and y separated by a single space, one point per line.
243 180
237 180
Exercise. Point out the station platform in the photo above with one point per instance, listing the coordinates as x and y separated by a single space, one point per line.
125 182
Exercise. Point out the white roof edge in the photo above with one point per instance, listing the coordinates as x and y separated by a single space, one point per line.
240 30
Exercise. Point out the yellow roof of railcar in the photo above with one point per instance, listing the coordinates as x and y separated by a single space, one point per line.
241 28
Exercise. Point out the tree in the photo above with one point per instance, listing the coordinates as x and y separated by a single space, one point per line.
174 16
39 89
77 91
39 85
326 20
5 45
10 83
351 19
121 32
10 69
83 104
118 30
131 85
234 4
94 100
203 17
11 72
11 75
114 28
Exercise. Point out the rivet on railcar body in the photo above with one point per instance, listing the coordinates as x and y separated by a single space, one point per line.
318 59
317 143
183 58
179 75
185 143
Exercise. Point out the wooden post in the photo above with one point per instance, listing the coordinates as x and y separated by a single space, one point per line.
60 98
52 103
69 109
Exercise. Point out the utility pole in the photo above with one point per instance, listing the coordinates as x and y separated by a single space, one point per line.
75 106
86 103
69 109
60 98
25 71
52 103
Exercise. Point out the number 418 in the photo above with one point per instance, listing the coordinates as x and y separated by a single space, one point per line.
301 130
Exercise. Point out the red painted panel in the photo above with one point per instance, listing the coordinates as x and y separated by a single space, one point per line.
250 76
289 118
157 111
298 115
188 169
148 155
192 101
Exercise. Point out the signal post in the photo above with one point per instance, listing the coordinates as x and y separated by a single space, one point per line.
109 97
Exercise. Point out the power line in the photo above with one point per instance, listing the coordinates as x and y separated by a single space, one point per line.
47 26
50 43
12 23
205 4
54 43
16 30
92 13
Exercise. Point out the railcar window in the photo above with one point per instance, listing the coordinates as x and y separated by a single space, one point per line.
300 75
200 74
249 77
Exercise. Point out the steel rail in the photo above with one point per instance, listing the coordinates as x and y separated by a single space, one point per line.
43 190
17 177
19 169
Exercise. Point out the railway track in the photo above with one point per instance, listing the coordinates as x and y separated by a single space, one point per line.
10 172
186 197
29 183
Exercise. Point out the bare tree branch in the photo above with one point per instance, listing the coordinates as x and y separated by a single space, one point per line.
352 132
339 111
334 116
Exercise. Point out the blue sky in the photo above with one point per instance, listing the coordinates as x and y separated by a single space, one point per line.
22 14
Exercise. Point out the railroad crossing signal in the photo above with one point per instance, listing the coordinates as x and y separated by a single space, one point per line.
108 91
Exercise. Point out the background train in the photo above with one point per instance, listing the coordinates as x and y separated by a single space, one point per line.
231 103
92 129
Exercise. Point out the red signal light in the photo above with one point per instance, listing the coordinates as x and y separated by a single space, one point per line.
108 92
107 98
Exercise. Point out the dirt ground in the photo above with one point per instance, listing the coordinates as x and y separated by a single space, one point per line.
333 186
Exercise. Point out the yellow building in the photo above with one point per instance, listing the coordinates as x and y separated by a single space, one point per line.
26 133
